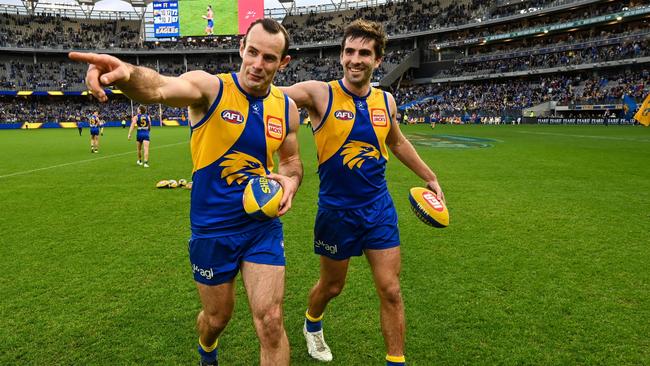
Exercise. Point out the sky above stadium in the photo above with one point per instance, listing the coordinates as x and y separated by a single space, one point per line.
119 5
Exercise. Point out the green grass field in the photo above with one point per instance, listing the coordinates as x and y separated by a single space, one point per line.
546 260
226 20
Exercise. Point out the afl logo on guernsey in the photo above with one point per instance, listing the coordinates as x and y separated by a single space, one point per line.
343 115
378 117
232 116
432 200
274 127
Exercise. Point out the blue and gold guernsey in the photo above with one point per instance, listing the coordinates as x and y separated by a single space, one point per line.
143 121
351 145
93 121
233 142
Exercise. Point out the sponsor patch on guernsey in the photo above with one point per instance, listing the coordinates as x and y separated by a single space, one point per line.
343 115
274 127
378 117
232 116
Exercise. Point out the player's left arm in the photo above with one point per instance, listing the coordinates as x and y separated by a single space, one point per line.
290 167
133 122
405 152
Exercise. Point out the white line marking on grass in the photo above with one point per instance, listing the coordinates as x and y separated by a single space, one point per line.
85 161
586 136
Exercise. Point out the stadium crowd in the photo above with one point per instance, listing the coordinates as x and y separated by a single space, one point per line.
627 40
621 51
511 96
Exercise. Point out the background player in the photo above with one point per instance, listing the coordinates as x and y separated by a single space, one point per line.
95 125
210 18
143 122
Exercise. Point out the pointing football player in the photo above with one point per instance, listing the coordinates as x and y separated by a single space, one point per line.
354 125
143 122
238 121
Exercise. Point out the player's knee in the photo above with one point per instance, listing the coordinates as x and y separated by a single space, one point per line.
269 325
216 322
333 289
391 293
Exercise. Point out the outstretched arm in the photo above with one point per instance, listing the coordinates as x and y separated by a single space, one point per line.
142 84
405 152
290 167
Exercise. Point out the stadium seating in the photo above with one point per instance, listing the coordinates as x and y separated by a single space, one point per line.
448 57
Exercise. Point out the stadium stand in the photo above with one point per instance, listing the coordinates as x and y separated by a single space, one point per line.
448 59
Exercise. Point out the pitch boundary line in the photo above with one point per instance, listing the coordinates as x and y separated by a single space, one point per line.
585 136
84 161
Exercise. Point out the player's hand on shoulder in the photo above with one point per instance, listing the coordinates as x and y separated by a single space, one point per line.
289 188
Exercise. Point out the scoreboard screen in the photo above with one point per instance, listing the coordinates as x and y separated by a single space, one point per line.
184 18
165 19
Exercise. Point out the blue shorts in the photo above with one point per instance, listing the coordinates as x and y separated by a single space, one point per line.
94 131
341 234
210 23
217 260
142 135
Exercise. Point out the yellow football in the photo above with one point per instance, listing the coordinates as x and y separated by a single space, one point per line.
262 198
163 184
428 208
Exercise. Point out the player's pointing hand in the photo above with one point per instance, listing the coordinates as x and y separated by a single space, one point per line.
103 70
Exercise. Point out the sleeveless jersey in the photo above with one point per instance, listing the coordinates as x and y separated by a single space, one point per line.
93 121
143 121
351 146
233 142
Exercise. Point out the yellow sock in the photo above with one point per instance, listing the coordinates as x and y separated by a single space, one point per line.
311 318
211 348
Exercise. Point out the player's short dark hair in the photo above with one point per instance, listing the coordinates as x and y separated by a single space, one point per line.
142 109
366 29
272 26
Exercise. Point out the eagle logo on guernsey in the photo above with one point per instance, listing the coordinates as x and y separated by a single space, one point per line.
238 166
232 116
355 153
344 115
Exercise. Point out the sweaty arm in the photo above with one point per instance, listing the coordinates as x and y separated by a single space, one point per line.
405 152
290 167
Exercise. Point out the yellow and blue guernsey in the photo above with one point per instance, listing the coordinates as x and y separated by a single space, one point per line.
233 142
351 145
93 121
143 121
